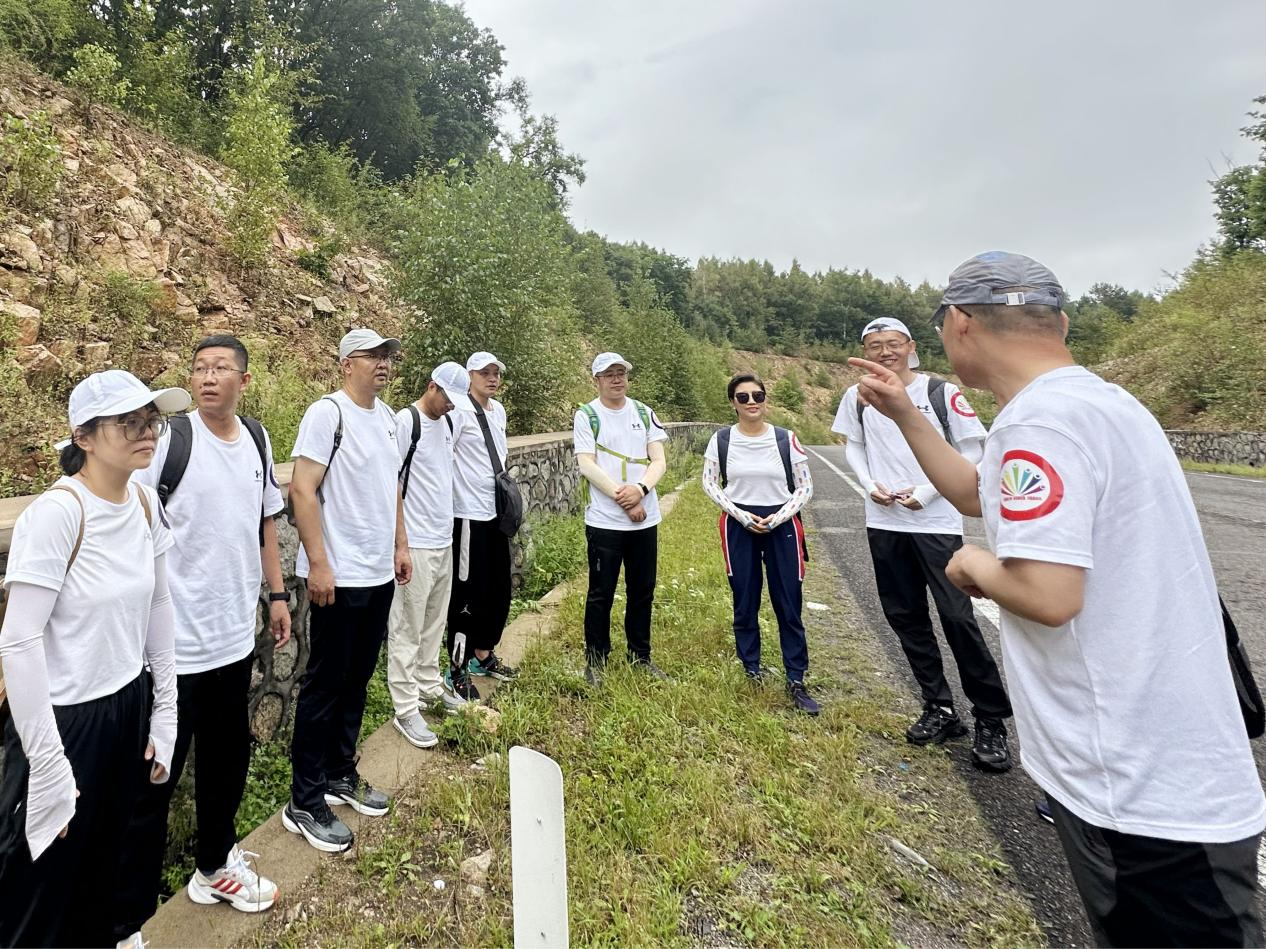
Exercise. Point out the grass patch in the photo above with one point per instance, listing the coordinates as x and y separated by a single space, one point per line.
1213 467
702 814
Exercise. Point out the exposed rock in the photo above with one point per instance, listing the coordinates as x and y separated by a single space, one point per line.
28 318
66 276
96 356
138 261
20 252
124 179
475 892
486 718
475 869
38 363
108 251
63 349
126 231
324 305
166 298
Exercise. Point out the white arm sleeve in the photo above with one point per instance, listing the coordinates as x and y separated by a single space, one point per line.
160 654
593 473
855 455
799 498
712 488
973 449
50 796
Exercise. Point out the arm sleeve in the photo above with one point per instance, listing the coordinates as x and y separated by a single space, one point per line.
968 439
591 472
160 654
799 498
50 802
712 487
855 455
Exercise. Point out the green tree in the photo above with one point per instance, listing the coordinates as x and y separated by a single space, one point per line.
1240 195
38 28
97 74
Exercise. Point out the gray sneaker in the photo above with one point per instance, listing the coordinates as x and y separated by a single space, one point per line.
319 827
449 701
359 794
415 731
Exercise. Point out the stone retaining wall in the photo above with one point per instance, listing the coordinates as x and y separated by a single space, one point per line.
1225 448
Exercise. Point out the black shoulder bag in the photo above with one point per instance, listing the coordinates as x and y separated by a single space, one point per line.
509 500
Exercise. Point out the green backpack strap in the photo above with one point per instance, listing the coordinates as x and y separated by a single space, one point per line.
645 415
595 423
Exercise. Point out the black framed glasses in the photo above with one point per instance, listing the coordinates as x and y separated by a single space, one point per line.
938 318
745 397
135 426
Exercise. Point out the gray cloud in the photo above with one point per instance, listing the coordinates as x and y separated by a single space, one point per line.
898 137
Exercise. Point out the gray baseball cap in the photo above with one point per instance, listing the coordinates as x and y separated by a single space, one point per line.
359 340
992 277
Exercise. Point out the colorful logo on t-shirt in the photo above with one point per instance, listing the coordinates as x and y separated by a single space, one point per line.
960 405
1031 488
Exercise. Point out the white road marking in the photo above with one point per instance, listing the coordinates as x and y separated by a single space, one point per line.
986 608
1241 478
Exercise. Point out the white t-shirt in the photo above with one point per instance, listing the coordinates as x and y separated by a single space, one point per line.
753 468
214 570
893 464
619 430
428 504
94 643
473 494
1127 715
358 518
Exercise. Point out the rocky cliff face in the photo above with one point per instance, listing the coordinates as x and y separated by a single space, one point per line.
126 267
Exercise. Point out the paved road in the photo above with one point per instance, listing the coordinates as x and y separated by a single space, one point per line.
1233 515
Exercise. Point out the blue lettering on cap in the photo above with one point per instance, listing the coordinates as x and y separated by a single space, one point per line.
992 255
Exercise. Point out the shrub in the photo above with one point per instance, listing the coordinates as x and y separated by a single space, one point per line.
30 157
96 74
788 392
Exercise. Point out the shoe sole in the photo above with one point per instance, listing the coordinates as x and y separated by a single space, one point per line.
435 740
994 768
940 738
209 897
323 845
358 806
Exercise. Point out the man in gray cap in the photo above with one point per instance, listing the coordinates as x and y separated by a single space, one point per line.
1113 636
353 550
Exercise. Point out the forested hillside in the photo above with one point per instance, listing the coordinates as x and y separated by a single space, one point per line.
285 171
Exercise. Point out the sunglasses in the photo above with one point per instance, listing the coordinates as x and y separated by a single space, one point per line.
745 397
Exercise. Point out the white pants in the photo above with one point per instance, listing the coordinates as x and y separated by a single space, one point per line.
415 630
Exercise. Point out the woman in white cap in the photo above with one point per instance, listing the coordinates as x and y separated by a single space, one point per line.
758 475
87 609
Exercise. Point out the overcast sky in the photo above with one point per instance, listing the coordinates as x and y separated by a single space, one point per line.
901 137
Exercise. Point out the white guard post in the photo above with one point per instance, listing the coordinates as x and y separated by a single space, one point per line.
538 851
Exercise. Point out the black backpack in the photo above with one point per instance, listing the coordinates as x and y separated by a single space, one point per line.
403 476
936 395
182 444
781 436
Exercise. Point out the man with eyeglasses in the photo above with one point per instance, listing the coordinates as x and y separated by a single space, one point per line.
619 447
912 533
353 551
220 505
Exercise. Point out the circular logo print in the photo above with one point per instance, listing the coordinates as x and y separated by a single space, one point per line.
1031 488
959 405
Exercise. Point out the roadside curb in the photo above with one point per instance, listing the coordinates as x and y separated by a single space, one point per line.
386 761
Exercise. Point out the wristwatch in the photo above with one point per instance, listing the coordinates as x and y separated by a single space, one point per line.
645 489
282 597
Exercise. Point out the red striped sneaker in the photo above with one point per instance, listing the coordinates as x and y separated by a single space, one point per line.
234 883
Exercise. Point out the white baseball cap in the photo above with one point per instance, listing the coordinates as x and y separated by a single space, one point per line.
117 392
885 325
482 360
455 381
359 340
604 361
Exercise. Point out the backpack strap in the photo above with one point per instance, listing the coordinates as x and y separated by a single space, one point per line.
595 422
723 453
261 445
79 538
406 468
149 514
783 439
338 440
178 448
936 395
645 415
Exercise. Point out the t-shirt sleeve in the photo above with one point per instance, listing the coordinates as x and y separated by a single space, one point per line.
1048 495
963 423
43 539
582 435
846 422
657 432
159 528
151 474
404 432
710 453
316 432
798 454
273 502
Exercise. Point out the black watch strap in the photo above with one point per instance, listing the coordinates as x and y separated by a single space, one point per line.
282 597
645 489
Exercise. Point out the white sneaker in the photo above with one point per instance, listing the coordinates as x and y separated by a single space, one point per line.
415 731
133 941
235 883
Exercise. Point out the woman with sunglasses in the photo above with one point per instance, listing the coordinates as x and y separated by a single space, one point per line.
87 610
759 476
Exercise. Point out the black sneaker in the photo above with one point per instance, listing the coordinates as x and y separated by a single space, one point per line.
1043 809
801 698
989 750
935 725
494 667
458 679
652 670
359 794
319 827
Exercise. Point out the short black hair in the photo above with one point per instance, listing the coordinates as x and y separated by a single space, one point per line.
225 341
738 380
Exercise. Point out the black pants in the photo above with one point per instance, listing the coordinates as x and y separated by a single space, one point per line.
212 714
66 897
1144 891
480 603
906 567
637 550
345 638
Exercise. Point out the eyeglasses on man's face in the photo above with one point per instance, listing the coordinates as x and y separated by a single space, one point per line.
611 374
744 397
384 356
212 372
877 347
135 426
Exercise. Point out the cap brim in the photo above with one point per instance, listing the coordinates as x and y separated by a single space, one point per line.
628 366
476 366
461 401
166 401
